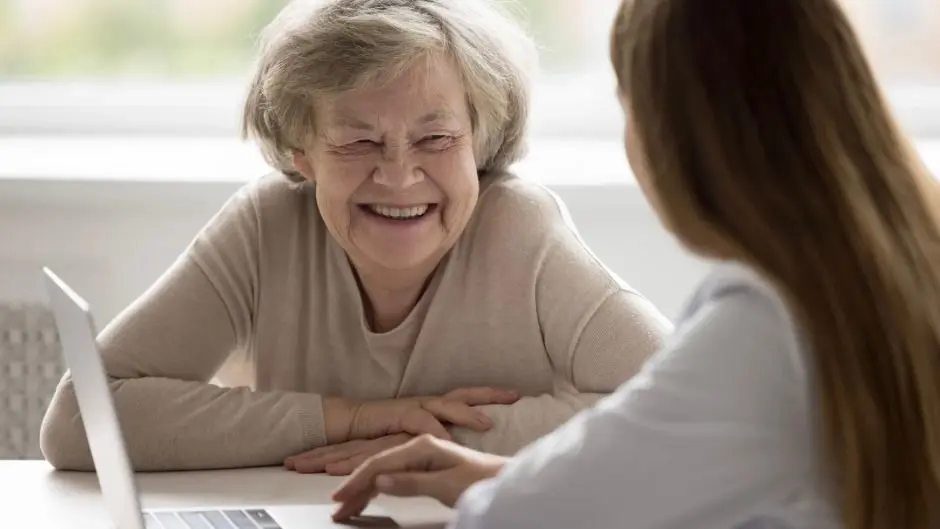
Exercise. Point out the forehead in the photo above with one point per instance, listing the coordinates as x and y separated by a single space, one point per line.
427 91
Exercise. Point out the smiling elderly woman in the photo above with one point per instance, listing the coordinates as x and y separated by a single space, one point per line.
390 279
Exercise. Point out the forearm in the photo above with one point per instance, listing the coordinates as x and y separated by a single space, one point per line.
517 425
173 424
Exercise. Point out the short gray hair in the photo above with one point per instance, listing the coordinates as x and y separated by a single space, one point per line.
317 48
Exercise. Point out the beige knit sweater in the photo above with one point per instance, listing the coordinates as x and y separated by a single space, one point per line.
265 302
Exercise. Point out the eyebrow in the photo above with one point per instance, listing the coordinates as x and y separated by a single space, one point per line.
345 120
351 122
436 115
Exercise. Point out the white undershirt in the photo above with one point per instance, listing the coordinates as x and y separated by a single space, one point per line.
717 432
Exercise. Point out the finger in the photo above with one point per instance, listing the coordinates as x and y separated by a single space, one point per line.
315 466
315 463
458 414
483 395
417 454
418 421
353 507
347 466
312 454
318 452
433 484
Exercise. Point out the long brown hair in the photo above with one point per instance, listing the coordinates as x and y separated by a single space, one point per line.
768 141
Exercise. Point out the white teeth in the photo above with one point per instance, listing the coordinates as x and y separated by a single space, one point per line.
399 213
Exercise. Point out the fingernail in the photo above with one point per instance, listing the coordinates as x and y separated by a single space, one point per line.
384 483
484 421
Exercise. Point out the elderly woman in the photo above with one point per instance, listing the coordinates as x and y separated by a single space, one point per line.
390 279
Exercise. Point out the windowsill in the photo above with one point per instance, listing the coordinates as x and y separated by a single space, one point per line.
24 160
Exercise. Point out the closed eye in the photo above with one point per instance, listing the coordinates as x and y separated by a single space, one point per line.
355 148
436 141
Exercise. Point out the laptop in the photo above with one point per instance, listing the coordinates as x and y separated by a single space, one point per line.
115 475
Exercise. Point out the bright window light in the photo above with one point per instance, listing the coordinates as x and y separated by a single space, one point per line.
178 67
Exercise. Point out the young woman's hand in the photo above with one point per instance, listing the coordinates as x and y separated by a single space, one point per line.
425 466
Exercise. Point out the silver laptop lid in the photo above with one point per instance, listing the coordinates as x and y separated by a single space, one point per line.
80 348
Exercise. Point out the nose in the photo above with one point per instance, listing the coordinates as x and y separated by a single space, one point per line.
397 169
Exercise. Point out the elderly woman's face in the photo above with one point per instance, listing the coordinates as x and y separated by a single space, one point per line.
394 168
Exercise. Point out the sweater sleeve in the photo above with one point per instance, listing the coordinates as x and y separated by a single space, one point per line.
161 354
623 332
597 332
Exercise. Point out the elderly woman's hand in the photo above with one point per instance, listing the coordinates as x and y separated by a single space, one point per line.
342 459
425 466
430 415
381 424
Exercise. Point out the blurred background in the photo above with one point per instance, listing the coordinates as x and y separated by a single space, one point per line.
119 132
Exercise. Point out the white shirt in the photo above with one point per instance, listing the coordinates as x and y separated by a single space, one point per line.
717 432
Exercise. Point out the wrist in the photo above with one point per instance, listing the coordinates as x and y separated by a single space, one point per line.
338 416
494 466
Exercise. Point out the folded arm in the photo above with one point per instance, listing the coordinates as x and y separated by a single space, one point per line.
161 354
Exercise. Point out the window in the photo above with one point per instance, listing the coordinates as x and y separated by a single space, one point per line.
178 66
903 37
60 39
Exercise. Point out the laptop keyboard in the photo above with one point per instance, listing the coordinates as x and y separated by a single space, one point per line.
227 519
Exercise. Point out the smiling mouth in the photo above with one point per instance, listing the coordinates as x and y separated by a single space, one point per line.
399 213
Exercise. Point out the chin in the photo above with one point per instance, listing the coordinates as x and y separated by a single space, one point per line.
401 256
403 262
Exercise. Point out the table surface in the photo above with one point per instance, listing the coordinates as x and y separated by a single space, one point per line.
34 495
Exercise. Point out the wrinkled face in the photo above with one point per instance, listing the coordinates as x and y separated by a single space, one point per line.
394 168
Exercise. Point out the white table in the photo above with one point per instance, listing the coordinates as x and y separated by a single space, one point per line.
34 496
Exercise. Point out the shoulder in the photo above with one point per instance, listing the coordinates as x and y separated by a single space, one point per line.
526 218
273 193
269 204
528 221
518 215
260 212
731 285
509 198
738 318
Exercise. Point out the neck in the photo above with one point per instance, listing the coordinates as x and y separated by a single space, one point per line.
391 295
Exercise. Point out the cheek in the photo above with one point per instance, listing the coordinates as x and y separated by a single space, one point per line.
333 209
455 173
336 184
632 148
636 160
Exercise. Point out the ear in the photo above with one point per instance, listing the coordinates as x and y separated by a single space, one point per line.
303 166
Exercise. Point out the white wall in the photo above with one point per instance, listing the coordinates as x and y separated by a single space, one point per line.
111 239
